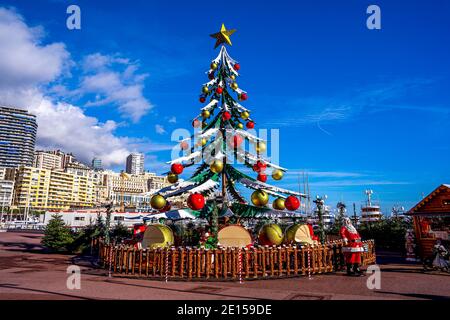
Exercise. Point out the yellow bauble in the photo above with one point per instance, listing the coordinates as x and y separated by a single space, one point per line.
205 89
172 177
278 204
216 166
240 126
277 174
259 198
213 66
158 202
203 141
261 147
206 114
234 86
245 115
271 234
233 77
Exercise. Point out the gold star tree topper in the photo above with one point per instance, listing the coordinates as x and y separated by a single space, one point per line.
223 36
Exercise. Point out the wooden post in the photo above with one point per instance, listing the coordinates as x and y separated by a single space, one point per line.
288 260
247 264
303 260
216 263
147 261
182 256
224 263
140 262
255 262
272 266
133 261
174 256
199 263
189 263
280 261
263 260
295 260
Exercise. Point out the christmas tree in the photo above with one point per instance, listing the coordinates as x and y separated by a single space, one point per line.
222 129
57 236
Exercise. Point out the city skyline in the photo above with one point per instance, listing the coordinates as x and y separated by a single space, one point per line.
355 116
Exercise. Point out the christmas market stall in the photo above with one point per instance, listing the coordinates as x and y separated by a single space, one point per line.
431 218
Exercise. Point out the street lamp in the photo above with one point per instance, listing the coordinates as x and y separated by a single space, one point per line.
320 201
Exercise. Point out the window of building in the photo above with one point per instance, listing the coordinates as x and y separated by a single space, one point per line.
79 218
119 218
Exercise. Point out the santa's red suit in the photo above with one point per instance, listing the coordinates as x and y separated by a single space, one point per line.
353 245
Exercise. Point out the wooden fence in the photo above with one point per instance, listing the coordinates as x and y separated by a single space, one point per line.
227 264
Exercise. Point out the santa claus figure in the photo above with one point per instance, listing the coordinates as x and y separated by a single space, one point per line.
353 247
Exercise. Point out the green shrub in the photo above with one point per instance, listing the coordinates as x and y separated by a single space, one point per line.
57 236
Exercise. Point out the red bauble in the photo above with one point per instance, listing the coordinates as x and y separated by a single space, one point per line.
262 166
226 116
196 123
177 168
250 125
237 66
262 177
184 145
243 96
219 90
256 168
202 99
196 201
292 203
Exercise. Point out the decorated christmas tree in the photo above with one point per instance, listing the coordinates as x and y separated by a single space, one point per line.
222 130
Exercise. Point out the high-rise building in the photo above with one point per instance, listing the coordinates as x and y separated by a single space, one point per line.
97 164
135 163
17 137
54 159
47 160
53 189
6 189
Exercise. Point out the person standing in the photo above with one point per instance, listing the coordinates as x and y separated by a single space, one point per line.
353 247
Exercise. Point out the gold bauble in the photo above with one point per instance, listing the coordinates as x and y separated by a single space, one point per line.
261 147
172 177
216 166
278 204
213 66
240 126
233 77
259 198
205 114
203 141
158 202
245 115
277 174
234 86
205 89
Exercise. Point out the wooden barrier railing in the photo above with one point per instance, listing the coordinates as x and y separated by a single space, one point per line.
254 263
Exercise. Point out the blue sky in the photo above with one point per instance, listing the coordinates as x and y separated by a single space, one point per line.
356 108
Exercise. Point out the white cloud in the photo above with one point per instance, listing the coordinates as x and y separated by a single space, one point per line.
112 85
24 62
27 68
173 120
160 129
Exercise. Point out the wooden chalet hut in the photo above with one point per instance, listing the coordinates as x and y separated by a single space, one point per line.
431 218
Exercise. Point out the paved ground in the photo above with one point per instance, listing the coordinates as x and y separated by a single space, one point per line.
26 272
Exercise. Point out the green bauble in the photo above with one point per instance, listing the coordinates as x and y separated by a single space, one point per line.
172 177
260 198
